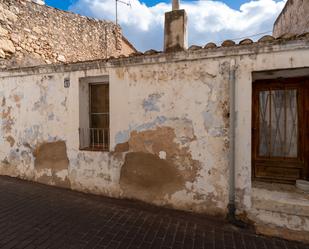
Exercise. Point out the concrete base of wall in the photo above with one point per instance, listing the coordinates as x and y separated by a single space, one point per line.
280 210
280 232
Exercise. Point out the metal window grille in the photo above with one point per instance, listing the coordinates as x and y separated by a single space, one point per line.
278 123
94 138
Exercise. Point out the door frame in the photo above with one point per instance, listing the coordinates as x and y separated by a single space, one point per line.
301 162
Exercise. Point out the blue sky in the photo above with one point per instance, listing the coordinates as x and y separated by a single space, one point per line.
208 20
64 4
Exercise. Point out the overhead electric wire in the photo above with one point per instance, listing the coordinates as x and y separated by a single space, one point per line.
248 36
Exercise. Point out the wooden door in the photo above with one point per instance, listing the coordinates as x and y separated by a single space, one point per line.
280 130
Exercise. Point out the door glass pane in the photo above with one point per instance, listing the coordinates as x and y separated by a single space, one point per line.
292 123
264 147
278 123
277 132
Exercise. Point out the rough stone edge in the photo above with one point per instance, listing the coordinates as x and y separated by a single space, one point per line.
279 232
67 12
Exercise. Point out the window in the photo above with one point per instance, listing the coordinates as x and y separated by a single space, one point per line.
278 123
94 133
280 130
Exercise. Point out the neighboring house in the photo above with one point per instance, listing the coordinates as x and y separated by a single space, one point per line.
33 34
294 18
205 129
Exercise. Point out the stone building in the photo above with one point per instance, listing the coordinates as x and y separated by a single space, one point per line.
33 34
205 129
294 18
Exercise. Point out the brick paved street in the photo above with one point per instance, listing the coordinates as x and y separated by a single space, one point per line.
38 216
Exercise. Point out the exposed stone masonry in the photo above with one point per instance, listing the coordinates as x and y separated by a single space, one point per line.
32 34
294 18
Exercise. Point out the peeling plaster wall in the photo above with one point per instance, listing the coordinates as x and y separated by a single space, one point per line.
187 132
169 120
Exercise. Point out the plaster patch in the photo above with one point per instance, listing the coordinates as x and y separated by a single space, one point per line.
217 132
62 174
146 148
10 140
162 155
26 158
158 121
14 158
31 134
123 147
145 176
151 103
124 136
52 157
7 119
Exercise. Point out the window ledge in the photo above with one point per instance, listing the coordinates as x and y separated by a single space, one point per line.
94 149
280 198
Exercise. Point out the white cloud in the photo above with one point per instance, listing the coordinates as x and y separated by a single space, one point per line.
208 20
41 2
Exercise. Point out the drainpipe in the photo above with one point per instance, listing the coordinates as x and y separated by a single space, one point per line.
232 93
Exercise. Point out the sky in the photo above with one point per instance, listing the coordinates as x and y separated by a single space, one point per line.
208 20
65 4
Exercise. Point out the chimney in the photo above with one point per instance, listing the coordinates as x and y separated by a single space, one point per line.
175 29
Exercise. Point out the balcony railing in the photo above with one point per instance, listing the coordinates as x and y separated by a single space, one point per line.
96 139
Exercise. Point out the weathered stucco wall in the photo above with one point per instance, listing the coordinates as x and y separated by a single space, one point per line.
33 34
294 18
169 129
165 117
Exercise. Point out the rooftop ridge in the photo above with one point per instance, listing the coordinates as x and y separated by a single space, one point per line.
137 57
